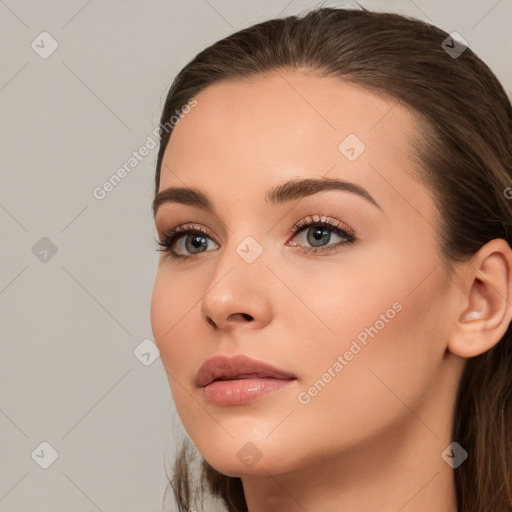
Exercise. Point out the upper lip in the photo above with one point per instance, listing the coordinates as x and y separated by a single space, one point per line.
223 367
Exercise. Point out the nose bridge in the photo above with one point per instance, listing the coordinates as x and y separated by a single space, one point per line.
246 238
242 260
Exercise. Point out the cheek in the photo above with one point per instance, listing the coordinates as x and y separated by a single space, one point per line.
338 303
173 302
391 343
172 309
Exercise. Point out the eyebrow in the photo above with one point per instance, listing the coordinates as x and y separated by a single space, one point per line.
288 191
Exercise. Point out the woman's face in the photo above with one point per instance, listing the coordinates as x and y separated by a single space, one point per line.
361 326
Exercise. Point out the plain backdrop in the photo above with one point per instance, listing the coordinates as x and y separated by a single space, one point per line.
82 390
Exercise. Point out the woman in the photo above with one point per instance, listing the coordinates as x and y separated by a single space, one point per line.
333 298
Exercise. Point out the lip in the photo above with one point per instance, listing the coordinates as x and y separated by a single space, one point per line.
223 367
239 379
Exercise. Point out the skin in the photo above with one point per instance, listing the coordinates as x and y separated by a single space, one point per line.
372 438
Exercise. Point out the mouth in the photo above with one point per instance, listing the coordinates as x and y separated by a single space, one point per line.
237 367
239 380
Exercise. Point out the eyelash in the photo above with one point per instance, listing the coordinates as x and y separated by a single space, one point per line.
170 237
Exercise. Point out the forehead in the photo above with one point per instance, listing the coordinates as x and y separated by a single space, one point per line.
244 136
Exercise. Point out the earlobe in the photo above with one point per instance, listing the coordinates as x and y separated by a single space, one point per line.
487 312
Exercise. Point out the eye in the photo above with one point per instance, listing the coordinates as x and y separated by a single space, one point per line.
195 239
317 234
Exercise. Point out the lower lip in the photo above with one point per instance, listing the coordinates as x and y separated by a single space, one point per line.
241 391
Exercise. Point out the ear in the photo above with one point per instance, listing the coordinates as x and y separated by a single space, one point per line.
486 310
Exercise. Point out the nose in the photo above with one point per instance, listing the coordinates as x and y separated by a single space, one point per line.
239 299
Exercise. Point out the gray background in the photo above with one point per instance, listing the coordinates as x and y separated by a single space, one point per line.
70 321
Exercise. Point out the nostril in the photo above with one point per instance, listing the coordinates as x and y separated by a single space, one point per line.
236 316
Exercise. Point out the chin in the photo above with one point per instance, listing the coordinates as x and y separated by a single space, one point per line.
237 459
235 468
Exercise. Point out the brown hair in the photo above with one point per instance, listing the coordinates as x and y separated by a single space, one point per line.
465 157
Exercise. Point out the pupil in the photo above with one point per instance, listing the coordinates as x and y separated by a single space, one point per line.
197 241
318 234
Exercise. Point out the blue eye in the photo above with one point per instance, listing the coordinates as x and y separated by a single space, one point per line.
196 238
317 232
